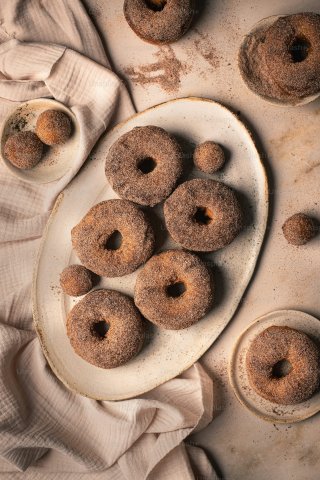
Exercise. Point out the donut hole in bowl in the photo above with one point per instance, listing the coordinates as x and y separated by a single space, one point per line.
100 329
281 369
156 5
176 289
147 165
203 216
299 49
114 241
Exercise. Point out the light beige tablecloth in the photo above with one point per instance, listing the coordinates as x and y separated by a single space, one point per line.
134 439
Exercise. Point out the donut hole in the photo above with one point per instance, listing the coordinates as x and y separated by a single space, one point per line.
203 216
147 165
156 5
100 329
175 290
281 369
299 49
114 242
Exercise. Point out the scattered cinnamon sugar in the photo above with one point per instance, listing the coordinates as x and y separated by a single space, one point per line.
165 72
204 46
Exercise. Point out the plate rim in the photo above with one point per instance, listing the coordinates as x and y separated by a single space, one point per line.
263 225
233 358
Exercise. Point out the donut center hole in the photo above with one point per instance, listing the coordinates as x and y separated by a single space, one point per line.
114 242
156 5
147 165
203 216
176 289
100 329
299 49
281 369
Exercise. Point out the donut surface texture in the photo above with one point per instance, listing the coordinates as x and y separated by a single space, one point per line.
76 280
23 149
93 237
53 127
159 21
299 229
203 215
278 344
105 328
174 289
144 165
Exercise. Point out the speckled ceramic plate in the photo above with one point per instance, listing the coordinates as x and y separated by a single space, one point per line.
238 374
265 22
57 159
166 353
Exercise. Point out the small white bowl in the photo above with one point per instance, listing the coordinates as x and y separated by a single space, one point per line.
264 23
57 159
238 376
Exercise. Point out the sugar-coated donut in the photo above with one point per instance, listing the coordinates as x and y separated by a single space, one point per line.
269 350
299 229
159 21
96 239
24 150
76 280
105 328
144 165
174 289
209 157
203 215
53 127
281 60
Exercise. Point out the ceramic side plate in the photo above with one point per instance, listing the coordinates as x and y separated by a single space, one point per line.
257 89
270 411
166 353
57 159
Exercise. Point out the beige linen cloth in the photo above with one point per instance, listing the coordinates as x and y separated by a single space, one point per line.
49 48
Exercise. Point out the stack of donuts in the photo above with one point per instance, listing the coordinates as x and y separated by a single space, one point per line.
174 289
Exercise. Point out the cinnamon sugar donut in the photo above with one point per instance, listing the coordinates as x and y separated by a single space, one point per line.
299 229
283 365
203 215
209 157
23 149
53 127
292 49
281 60
114 238
76 280
105 328
174 289
159 21
144 165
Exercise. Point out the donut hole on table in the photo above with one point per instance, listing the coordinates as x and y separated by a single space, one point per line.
100 329
114 241
176 289
156 5
203 216
299 49
146 165
281 369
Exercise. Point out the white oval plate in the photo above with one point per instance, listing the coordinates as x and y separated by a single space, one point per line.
265 22
167 353
270 411
57 159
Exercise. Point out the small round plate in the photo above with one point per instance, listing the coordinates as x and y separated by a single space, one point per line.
262 24
270 411
57 159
